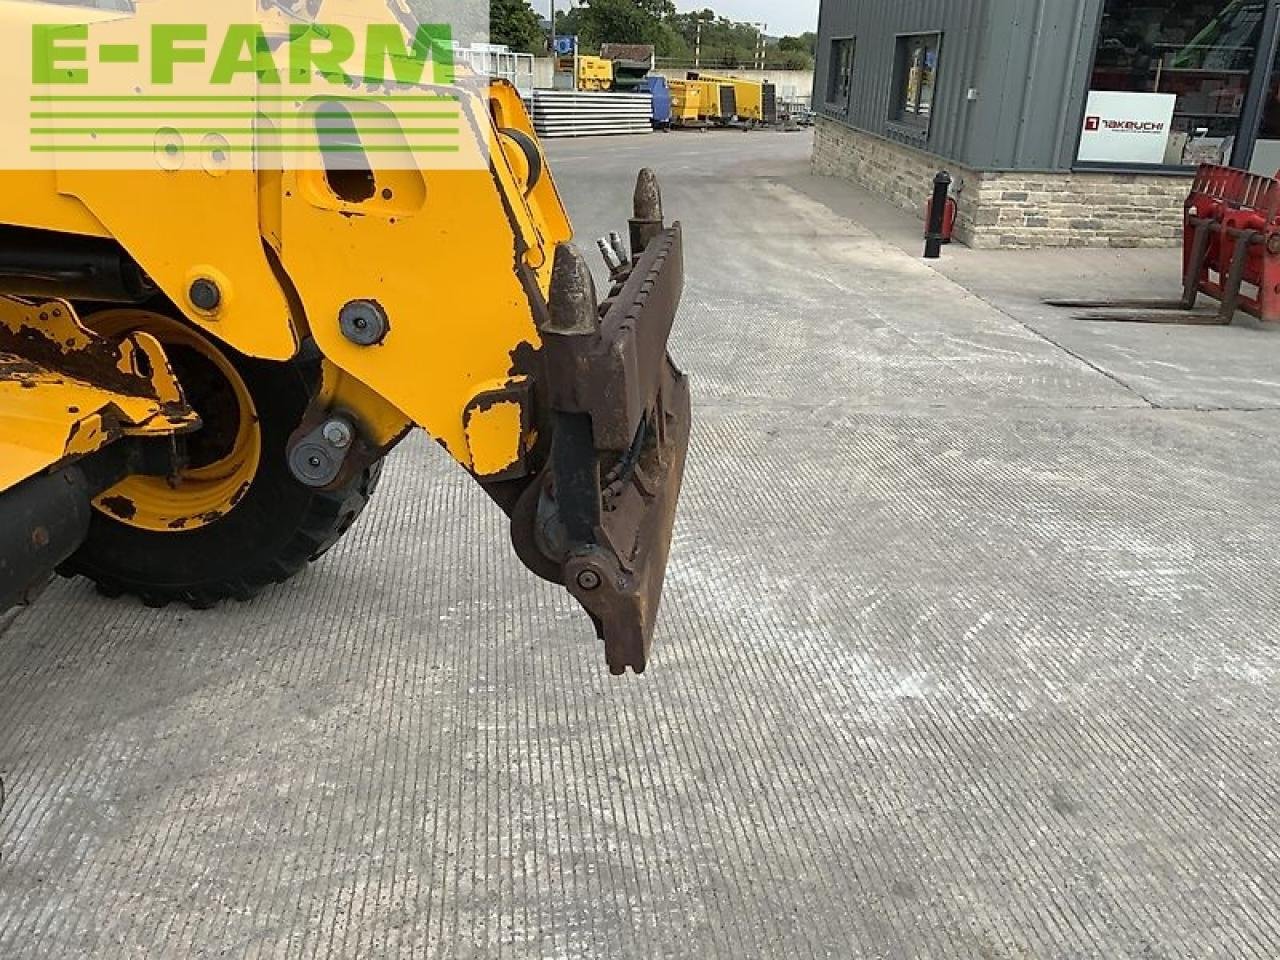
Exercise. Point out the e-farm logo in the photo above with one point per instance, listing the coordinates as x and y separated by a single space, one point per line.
273 92
61 54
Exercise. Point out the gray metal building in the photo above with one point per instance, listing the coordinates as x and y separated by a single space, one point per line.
1079 104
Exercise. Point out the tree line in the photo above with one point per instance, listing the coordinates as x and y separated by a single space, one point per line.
674 35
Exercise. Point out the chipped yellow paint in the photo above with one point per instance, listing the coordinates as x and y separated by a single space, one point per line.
46 419
458 259
494 436
56 320
49 416
163 379
87 436
198 495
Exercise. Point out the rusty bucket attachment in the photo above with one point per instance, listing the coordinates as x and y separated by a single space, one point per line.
603 512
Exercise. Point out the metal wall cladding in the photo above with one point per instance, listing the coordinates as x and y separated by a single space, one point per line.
1027 62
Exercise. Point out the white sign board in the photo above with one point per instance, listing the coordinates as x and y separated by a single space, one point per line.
1126 127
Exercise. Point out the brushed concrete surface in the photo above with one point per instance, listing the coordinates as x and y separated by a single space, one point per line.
969 651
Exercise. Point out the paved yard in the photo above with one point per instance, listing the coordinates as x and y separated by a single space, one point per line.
969 651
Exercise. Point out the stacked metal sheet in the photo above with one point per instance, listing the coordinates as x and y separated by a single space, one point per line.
568 113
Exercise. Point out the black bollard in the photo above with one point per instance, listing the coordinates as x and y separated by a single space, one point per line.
937 214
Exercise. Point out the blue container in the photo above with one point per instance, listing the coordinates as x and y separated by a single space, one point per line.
657 88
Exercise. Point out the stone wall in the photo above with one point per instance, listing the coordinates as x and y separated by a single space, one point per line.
1093 209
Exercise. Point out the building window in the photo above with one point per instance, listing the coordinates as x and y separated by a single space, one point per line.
840 73
916 80
1266 151
1169 81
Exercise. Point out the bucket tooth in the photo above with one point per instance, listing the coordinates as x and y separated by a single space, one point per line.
648 196
574 305
647 223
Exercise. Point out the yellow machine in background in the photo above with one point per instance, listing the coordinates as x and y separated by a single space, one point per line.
705 100
753 101
202 369
595 73
695 102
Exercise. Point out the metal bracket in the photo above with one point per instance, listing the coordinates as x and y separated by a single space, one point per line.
316 460
599 518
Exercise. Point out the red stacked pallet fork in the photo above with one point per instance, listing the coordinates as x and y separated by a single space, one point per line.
1230 253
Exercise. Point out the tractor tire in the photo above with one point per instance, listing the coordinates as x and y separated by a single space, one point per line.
269 532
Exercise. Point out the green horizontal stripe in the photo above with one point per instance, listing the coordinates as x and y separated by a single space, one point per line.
165 115
301 98
119 53
250 131
246 148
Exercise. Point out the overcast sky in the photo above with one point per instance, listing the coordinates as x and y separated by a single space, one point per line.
783 16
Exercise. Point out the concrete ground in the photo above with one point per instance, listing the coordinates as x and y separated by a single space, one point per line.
969 651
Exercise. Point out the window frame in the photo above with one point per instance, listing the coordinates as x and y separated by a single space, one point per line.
912 126
833 76
1242 151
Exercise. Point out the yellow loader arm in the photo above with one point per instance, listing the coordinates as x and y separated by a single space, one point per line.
287 327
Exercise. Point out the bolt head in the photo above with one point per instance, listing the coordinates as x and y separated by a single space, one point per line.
338 433
205 295
589 580
364 322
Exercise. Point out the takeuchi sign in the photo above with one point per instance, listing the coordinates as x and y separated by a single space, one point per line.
1124 127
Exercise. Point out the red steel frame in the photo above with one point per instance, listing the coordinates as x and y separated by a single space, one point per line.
1232 238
